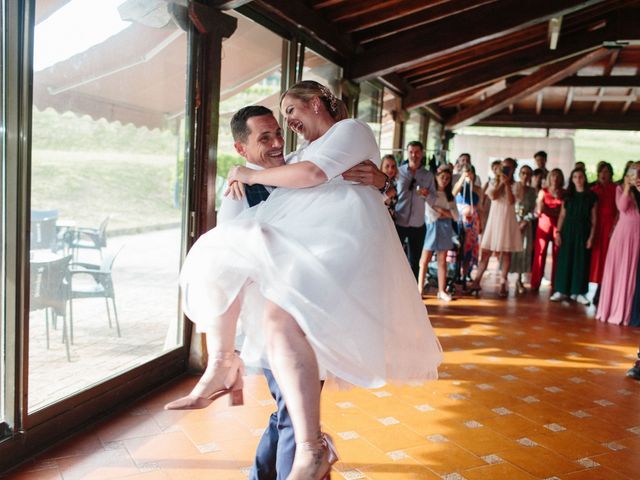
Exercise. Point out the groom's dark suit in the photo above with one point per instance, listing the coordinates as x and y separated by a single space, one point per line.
277 447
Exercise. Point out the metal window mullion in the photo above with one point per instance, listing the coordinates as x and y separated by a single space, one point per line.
18 74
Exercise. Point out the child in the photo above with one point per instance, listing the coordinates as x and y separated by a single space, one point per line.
439 237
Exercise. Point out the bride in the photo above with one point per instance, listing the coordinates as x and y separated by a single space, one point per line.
320 264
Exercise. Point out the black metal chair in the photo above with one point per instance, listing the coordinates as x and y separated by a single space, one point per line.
89 238
44 234
50 290
100 285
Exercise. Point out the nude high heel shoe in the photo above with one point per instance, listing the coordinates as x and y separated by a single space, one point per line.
232 386
323 446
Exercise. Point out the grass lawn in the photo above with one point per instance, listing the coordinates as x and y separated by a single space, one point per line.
137 190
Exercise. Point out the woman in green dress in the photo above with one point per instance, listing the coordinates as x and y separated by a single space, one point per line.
576 227
525 206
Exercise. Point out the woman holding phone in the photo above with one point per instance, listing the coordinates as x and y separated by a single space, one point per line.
502 235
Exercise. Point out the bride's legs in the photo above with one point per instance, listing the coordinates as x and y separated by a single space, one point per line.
220 338
224 368
295 368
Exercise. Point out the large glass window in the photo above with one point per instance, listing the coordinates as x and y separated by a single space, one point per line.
412 127
322 70
388 123
370 107
434 143
108 140
251 75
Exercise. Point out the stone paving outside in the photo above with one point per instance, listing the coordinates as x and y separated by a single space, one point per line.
145 276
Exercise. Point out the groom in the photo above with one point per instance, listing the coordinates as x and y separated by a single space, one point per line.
258 138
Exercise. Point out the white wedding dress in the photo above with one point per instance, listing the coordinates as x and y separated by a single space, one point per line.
330 256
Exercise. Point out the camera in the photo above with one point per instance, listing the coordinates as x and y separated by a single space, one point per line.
506 171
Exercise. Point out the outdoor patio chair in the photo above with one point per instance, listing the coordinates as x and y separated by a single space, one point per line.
44 214
44 234
100 285
49 291
89 238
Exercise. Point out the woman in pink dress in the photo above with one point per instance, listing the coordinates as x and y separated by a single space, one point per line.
502 234
618 280
605 190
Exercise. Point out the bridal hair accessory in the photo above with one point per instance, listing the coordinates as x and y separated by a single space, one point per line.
331 98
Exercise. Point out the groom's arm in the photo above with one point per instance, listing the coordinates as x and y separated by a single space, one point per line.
366 173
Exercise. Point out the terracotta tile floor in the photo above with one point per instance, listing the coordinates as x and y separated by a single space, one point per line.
528 390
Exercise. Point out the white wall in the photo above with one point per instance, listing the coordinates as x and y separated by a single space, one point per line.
484 149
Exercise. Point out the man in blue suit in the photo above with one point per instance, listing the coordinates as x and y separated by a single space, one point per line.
258 139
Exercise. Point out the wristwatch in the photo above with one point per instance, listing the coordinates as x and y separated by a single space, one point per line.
387 185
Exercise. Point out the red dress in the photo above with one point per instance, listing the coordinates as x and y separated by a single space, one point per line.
547 226
607 215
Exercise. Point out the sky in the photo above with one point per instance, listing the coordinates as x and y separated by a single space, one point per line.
74 28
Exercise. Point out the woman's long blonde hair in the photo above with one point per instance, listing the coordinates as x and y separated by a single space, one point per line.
307 89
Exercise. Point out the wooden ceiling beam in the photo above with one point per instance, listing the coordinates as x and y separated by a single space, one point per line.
619 81
298 16
558 120
628 103
539 100
568 101
533 83
480 54
611 62
355 8
457 32
396 83
228 4
477 61
499 69
496 48
390 12
369 31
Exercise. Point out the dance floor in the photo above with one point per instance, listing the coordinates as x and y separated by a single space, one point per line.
528 390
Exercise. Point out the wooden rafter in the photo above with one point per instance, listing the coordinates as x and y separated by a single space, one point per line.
539 99
596 103
611 62
428 14
628 103
354 8
532 83
575 120
568 101
499 69
227 4
446 36
300 17
390 11
620 81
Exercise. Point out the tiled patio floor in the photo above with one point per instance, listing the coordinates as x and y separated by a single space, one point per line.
528 390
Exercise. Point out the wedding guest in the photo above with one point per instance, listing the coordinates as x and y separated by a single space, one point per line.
525 213
620 271
439 236
605 190
548 205
540 158
485 206
501 235
574 237
415 187
389 167
468 200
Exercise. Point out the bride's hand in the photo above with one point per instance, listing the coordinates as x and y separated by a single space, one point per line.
239 173
235 190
